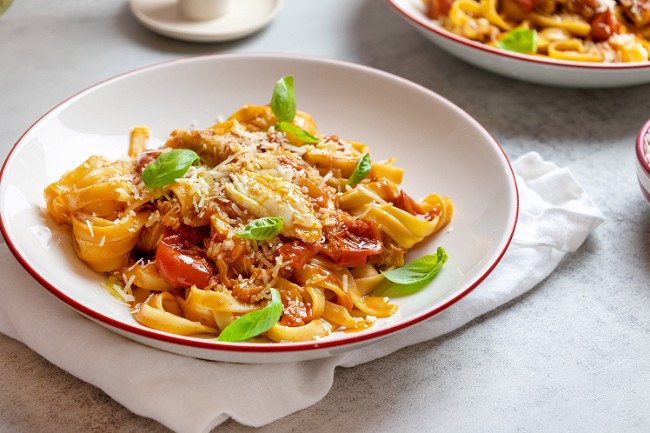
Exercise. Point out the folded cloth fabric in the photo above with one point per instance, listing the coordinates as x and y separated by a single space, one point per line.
556 216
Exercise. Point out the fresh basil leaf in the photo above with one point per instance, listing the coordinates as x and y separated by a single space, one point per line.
261 229
419 270
283 101
254 323
300 134
168 167
361 170
519 40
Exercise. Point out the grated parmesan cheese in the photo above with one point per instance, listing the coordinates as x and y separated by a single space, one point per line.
90 228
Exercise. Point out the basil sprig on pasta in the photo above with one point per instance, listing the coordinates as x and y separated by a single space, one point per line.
283 105
283 100
262 229
420 270
168 167
361 170
300 134
254 323
519 40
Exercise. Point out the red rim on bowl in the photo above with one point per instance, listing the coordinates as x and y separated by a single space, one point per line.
642 158
641 146
250 347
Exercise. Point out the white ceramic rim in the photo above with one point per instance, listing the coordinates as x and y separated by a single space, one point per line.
240 348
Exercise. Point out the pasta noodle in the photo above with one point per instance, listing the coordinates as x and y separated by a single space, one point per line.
179 251
574 30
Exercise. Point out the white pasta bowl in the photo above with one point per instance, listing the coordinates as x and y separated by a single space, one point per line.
643 160
442 149
535 69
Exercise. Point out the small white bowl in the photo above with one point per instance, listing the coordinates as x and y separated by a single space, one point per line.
523 67
642 160
240 19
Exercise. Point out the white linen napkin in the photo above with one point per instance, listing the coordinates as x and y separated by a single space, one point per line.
555 217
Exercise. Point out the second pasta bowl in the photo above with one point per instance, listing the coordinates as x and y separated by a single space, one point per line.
526 67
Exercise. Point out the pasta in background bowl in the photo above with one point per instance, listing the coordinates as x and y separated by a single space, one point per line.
576 62
439 147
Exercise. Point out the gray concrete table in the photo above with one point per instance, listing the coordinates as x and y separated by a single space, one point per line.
572 355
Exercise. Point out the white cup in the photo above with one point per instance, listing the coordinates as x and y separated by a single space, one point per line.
201 10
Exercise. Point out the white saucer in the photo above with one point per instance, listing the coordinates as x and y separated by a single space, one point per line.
243 18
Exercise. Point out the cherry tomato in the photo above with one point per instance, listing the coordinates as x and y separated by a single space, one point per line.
406 203
437 8
296 311
603 26
526 6
350 244
179 260
144 159
297 253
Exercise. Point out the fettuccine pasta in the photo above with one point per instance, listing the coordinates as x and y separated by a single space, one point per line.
601 31
259 210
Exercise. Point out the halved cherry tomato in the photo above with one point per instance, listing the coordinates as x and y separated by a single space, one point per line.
296 311
350 243
179 260
144 159
603 26
297 253
437 8
406 203
526 6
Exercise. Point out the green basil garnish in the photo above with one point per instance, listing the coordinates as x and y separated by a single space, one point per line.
419 270
520 41
361 170
283 105
254 323
301 134
168 167
283 101
261 229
